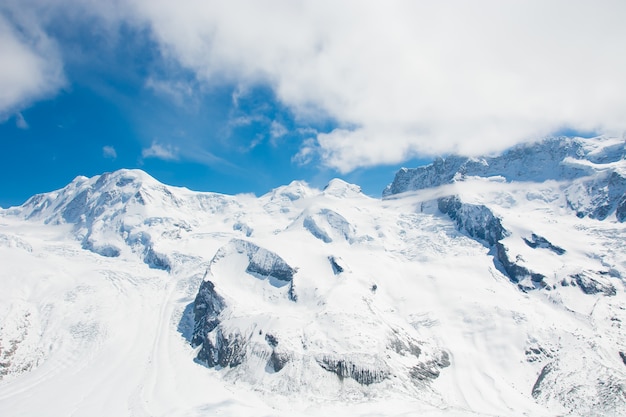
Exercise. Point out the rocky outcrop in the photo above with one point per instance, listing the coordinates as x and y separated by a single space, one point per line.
593 284
335 265
599 196
515 272
345 368
261 262
227 351
477 221
206 307
537 241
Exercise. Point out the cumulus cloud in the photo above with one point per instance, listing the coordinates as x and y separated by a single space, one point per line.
31 67
412 77
109 152
159 151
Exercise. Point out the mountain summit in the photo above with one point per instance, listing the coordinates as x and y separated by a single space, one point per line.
476 286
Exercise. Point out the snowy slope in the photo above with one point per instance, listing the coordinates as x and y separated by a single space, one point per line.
123 296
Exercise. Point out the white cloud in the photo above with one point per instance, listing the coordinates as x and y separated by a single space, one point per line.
409 77
31 67
400 78
159 151
109 152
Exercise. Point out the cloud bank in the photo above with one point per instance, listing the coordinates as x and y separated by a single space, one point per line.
401 78
404 78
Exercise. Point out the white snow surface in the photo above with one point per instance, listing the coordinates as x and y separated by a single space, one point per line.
98 281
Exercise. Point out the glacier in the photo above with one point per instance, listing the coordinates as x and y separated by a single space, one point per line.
474 286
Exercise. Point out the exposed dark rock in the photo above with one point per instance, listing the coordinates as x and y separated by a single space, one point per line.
620 211
431 369
591 285
278 360
344 368
602 195
261 261
405 348
537 241
424 371
242 227
476 220
292 292
271 340
156 260
623 356
515 272
207 307
225 350
537 387
537 353
337 269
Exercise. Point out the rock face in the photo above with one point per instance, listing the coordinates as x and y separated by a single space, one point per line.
594 283
260 261
344 368
537 241
515 272
207 307
476 220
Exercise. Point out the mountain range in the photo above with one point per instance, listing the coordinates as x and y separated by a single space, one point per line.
475 286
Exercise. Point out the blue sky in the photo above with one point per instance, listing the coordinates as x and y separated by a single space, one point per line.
244 96
83 131
109 114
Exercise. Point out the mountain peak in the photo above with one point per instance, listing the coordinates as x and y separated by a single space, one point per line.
340 188
295 190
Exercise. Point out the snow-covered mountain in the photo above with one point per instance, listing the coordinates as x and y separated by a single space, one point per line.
488 286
